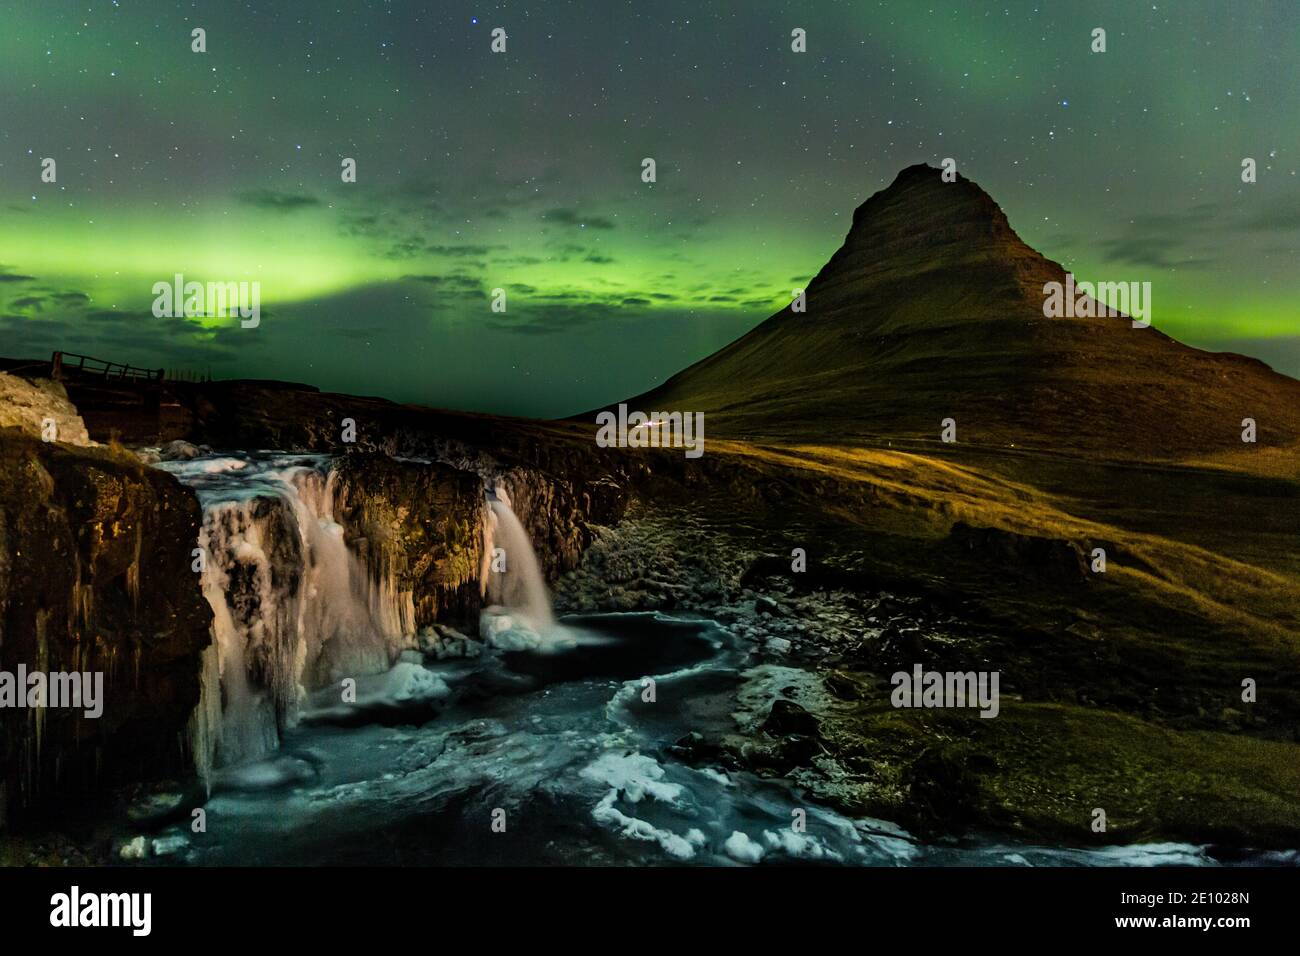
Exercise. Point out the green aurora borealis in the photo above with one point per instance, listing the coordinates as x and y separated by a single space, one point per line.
522 171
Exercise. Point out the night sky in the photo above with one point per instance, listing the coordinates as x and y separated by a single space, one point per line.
522 170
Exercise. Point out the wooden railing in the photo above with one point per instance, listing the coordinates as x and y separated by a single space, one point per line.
64 364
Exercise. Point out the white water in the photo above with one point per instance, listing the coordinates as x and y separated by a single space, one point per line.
293 609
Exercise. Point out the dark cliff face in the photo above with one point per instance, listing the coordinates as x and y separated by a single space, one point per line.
95 576
419 525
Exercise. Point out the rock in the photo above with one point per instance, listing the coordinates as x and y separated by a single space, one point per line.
787 718
765 605
135 849
29 405
424 522
182 451
842 686
154 806
94 572
778 645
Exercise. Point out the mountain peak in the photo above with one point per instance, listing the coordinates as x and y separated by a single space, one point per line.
933 308
920 223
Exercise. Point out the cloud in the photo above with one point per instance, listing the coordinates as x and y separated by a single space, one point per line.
275 201
407 248
450 283
1160 240
1154 253
6 276
1280 216
548 319
420 188
461 252
137 337
571 217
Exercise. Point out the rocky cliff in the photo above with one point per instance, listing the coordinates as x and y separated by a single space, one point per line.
419 527
95 576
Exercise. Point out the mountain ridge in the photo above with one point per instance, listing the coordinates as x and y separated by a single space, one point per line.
932 308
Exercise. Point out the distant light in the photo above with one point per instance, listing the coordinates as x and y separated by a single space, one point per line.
473 20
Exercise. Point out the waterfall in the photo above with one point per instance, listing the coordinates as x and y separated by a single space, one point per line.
520 586
293 609
520 615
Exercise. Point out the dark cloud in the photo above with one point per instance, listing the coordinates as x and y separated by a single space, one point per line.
451 283
407 248
571 217
276 201
549 319
1162 240
420 188
1152 253
1280 216
368 225
462 252
137 337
